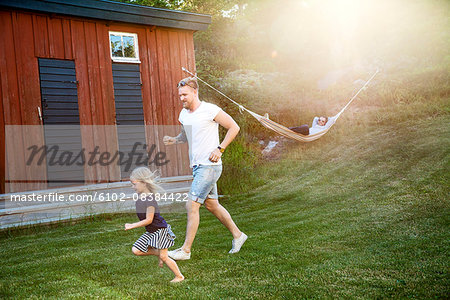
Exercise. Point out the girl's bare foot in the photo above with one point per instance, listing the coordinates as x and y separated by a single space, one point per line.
161 263
177 279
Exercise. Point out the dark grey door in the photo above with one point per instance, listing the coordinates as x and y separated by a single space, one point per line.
129 116
61 119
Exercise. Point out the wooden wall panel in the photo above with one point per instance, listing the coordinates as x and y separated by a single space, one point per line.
55 38
105 74
67 39
84 103
165 56
81 67
95 99
152 76
11 102
173 75
27 67
154 80
163 52
90 40
40 28
191 52
151 132
107 98
2 139
29 95
166 104
162 74
177 74
153 96
145 77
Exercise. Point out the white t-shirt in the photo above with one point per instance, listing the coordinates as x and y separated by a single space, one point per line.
315 128
202 132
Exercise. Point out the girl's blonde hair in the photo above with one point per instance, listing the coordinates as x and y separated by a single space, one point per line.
144 174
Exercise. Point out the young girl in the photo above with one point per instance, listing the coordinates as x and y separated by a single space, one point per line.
159 235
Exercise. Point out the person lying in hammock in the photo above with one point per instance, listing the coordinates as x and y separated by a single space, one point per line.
319 124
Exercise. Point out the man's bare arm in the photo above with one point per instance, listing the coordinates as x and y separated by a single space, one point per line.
232 127
179 139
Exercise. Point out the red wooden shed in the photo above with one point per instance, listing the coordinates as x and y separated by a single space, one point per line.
93 65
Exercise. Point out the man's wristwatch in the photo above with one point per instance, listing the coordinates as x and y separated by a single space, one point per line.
222 150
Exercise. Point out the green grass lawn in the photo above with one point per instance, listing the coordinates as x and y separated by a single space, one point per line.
359 216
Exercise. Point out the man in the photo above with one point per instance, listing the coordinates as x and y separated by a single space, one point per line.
200 129
319 124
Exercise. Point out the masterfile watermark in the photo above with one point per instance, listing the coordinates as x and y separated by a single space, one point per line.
98 197
55 156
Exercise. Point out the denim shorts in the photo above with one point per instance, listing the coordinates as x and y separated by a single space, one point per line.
204 184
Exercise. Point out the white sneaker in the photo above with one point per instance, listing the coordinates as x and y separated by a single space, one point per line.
237 243
179 254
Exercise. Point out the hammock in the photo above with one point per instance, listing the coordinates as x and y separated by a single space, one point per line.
282 130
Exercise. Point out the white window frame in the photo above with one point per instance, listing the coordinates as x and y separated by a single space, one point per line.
136 47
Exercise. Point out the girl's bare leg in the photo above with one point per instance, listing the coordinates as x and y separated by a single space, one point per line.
151 251
171 264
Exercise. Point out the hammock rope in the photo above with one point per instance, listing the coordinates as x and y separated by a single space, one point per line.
280 129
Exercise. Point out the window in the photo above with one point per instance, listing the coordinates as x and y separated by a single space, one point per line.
124 47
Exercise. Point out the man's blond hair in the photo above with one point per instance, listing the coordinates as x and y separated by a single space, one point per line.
190 81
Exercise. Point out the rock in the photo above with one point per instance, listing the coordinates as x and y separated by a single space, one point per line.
269 147
276 148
